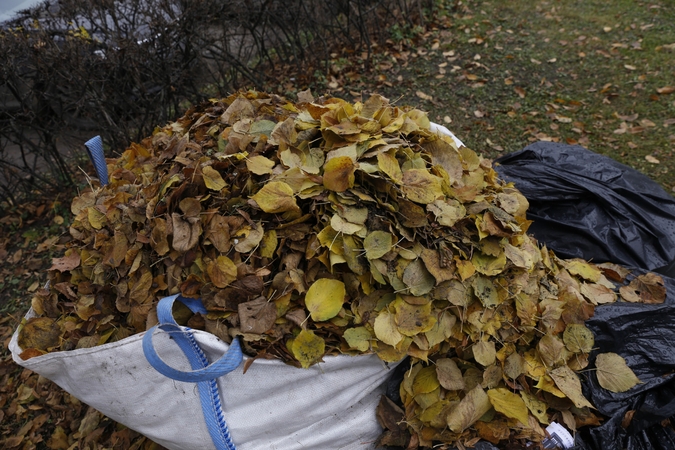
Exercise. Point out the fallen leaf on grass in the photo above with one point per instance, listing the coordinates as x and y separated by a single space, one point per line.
652 160
666 90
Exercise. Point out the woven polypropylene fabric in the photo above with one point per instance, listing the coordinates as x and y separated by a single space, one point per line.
95 150
273 406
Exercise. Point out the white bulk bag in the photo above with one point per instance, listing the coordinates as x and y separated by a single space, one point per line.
273 405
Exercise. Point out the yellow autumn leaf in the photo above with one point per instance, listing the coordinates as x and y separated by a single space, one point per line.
613 373
578 338
536 406
388 164
338 174
96 218
276 197
425 381
324 298
222 271
509 404
358 338
377 244
470 409
484 353
308 348
412 320
268 244
568 382
212 179
420 186
259 165
448 212
583 269
385 328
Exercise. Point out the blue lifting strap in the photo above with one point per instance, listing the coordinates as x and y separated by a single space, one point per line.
203 373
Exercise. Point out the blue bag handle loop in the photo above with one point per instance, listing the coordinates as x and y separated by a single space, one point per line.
94 148
203 373
226 364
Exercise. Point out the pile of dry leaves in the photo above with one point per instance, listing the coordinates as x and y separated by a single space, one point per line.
324 227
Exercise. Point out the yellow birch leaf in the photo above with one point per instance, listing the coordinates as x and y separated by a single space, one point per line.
583 269
212 179
358 338
269 243
308 348
536 406
509 404
338 174
578 338
260 165
614 374
324 299
222 271
377 244
96 218
569 383
420 186
413 319
388 164
469 410
484 353
276 197
448 212
489 265
385 328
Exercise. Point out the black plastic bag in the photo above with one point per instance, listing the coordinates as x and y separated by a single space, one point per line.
586 205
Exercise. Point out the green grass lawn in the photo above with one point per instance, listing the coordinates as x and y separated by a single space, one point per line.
503 74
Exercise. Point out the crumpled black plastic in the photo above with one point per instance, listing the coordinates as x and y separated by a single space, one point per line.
586 205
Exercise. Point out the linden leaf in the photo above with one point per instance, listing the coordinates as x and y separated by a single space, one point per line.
485 290
413 319
448 212
614 374
212 179
425 381
308 348
338 174
489 265
449 375
41 333
276 197
484 353
585 270
259 165
388 164
470 409
257 316
578 338
568 382
385 328
358 338
420 186
268 244
514 365
536 406
324 299
509 404
96 218
647 288
418 279
377 244
222 271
